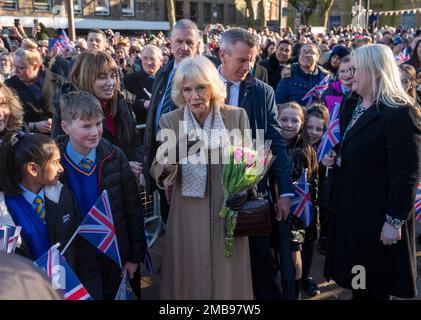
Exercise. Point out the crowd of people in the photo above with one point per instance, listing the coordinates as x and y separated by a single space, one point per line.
79 118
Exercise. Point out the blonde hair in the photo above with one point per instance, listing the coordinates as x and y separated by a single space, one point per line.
29 44
378 64
199 70
15 121
87 68
30 56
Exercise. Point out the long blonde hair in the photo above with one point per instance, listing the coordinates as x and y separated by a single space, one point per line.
378 63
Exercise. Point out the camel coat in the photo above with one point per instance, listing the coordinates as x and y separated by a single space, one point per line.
194 265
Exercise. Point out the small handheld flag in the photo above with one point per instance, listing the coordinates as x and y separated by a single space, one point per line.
402 56
318 90
62 276
124 291
332 136
98 228
10 243
301 205
418 203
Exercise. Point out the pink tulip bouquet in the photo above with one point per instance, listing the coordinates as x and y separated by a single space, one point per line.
243 169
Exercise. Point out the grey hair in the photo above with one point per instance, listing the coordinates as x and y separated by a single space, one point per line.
234 35
186 24
154 48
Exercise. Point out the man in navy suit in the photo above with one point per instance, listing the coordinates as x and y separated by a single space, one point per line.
238 54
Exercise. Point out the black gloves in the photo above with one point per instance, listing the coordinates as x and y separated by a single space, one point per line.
236 201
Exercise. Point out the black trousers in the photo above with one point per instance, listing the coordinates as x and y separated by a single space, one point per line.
263 270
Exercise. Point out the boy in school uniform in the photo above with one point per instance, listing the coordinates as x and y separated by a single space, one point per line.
92 165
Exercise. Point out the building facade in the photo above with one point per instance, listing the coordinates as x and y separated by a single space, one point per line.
139 14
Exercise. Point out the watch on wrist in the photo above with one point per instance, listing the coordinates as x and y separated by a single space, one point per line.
396 223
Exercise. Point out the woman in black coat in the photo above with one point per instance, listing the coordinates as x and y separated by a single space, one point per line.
371 244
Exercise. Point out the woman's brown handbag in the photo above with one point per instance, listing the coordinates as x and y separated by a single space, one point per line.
253 219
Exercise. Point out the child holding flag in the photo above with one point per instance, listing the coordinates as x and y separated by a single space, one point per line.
93 165
303 157
34 199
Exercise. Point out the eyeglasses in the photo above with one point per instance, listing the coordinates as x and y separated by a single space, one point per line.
353 69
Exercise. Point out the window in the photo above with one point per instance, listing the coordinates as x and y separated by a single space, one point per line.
231 13
207 11
77 7
179 10
194 8
127 8
102 7
9 5
409 20
42 5
334 21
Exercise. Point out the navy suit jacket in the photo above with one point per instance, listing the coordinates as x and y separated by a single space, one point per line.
258 99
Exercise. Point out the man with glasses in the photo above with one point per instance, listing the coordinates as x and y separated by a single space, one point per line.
140 83
297 80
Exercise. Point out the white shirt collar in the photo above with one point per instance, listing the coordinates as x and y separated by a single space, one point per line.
235 83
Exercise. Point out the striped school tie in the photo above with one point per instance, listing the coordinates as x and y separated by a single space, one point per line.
39 207
86 164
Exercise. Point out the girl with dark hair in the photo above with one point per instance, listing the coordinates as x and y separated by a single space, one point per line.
268 50
291 235
409 80
32 197
415 60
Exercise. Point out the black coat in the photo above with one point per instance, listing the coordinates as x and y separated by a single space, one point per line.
273 69
380 169
62 219
150 143
115 176
135 83
43 109
258 99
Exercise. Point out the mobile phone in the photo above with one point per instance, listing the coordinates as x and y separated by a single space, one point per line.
121 61
17 21
36 22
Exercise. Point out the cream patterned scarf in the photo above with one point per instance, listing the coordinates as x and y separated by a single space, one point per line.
194 173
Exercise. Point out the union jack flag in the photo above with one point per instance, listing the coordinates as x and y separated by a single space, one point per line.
10 239
124 291
402 57
98 228
418 203
318 90
62 40
61 275
301 205
4 236
332 136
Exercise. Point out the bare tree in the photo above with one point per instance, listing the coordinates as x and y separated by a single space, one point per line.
325 6
250 10
305 7
263 22
171 12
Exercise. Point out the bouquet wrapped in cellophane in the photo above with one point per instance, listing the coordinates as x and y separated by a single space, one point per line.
243 168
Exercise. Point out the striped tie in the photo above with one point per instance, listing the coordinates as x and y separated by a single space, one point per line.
86 164
39 207
166 102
